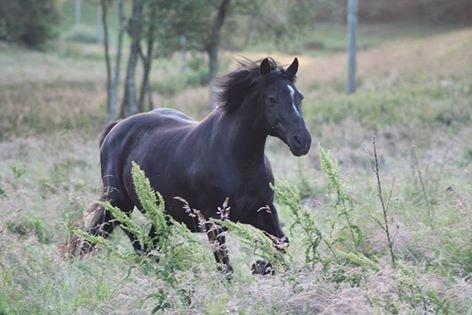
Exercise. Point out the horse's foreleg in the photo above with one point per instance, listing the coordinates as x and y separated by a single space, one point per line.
217 241
266 219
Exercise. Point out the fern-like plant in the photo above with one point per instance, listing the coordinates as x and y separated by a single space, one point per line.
303 221
257 242
342 201
176 247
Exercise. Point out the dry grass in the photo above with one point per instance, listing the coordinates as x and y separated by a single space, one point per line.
48 176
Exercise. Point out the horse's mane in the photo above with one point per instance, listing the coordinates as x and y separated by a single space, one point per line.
236 85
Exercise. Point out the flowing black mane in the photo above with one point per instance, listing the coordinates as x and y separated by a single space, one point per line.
236 85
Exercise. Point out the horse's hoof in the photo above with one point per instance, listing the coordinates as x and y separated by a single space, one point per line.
262 268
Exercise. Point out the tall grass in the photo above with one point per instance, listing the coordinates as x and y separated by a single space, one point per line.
419 100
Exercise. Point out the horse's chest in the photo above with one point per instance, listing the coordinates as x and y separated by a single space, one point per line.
248 196
244 191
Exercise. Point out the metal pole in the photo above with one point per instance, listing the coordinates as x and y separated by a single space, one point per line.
351 46
77 11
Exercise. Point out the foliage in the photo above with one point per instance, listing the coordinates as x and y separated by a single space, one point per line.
428 10
257 242
304 13
30 22
342 201
81 34
27 225
310 234
192 20
195 75
176 248
49 173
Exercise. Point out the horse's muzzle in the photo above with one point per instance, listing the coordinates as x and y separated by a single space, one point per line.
300 143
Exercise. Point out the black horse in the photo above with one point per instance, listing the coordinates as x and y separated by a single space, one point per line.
206 162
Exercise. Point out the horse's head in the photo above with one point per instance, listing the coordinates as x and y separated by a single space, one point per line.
282 106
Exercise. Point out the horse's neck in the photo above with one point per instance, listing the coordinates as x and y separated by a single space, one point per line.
243 132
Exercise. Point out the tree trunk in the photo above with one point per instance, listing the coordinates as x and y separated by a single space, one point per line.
147 58
115 85
113 77
212 49
130 104
104 20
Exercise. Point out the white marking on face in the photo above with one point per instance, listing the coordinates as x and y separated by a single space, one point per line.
292 94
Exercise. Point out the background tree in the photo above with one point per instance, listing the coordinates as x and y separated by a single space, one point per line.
157 27
141 26
212 46
30 22
200 23
146 53
135 27
113 71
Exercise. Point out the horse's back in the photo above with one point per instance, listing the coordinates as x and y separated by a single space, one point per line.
172 114
137 125
136 136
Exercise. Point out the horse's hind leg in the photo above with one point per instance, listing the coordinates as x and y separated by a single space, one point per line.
100 222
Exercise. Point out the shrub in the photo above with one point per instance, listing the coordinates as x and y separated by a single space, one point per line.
81 34
31 22
195 75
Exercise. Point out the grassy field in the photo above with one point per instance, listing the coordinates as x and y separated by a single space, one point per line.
415 95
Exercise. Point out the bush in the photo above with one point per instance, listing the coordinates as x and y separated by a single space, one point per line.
31 22
81 34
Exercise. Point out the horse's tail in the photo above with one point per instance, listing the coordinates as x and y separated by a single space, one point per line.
106 131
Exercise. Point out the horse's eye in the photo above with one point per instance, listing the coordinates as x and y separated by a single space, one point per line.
272 99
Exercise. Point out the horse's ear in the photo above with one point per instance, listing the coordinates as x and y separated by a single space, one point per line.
293 68
265 66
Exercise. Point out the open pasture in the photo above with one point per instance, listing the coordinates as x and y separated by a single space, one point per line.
415 95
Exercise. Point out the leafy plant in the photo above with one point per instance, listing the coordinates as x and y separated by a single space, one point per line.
302 219
174 246
18 171
342 201
256 241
